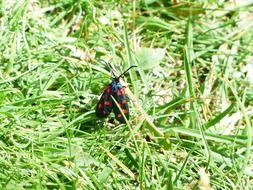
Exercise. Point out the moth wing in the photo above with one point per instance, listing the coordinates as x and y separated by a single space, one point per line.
104 106
120 97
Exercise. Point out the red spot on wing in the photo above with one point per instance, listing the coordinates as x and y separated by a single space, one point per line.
119 115
119 93
124 111
108 89
123 101
107 103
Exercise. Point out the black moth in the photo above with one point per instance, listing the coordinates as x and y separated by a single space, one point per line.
106 104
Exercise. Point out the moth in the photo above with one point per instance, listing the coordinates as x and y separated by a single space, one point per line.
112 98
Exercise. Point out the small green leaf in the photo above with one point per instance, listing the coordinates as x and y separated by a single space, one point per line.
149 57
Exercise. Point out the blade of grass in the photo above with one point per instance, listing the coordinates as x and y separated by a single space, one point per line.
212 137
219 117
248 130
188 61
130 60
119 163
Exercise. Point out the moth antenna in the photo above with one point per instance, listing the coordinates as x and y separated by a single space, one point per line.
126 71
109 66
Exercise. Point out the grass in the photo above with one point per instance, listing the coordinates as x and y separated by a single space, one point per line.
190 97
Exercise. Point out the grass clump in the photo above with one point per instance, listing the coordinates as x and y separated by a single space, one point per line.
191 119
